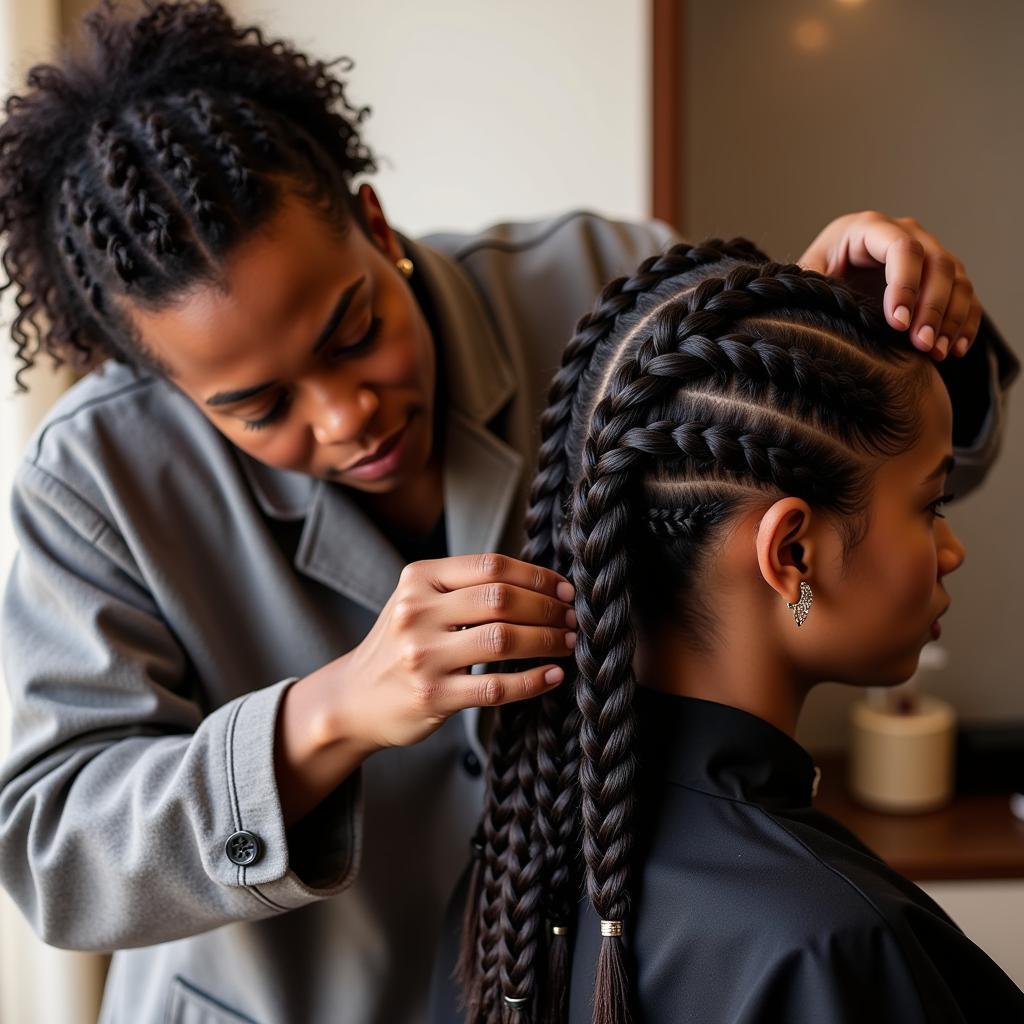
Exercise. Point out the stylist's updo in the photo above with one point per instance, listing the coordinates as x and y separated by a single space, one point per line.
711 382
128 171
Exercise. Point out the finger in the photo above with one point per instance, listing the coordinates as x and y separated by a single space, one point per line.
936 288
882 242
458 571
959 307
969 331
489 689
507 603
503 641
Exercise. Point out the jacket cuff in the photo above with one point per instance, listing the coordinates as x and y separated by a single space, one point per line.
977 384
291 868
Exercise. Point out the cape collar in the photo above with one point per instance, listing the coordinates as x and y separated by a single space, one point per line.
724 750
340 545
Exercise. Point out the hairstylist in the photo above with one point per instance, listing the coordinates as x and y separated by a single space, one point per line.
263 543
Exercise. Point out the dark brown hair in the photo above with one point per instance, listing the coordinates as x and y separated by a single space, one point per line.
130 169
711 381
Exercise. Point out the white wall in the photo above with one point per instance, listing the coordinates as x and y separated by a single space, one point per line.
487 110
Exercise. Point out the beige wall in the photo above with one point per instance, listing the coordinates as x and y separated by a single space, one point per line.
489 110
911 107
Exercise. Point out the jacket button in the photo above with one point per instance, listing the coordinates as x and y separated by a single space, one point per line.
243 848
471 763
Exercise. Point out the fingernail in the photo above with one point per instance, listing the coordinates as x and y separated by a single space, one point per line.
942 345
902 315
565 591
570 619
570 640
552 676
926 336
961 346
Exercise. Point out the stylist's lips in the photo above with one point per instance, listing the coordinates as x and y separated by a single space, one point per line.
385 460
936 625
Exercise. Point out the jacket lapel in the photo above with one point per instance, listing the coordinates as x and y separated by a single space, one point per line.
481 475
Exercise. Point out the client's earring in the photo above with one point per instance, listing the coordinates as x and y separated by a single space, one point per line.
405 266
802 607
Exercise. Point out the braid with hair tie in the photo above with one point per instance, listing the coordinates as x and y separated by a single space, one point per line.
555 716
618 443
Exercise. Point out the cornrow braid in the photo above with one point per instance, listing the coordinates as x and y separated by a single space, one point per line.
684 523
143 214
173 134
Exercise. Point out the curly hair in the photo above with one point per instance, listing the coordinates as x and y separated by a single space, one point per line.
710 382
129 169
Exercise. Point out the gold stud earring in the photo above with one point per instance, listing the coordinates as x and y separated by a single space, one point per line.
405 266
802 607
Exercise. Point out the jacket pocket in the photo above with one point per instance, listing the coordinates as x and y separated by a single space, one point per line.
187 1004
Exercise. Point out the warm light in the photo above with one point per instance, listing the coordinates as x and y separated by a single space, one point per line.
851 3
811 35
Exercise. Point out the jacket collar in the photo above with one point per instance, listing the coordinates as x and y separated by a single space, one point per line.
340 545
721 749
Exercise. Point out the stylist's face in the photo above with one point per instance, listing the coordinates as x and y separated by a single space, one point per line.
315 356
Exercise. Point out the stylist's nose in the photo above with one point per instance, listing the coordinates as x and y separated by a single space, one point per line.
341 415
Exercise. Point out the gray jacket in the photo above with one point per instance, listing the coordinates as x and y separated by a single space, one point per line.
169 589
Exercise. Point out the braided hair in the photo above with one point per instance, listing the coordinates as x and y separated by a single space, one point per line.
711 382
130 169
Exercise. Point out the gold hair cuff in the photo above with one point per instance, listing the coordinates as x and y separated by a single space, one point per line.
611 929
559 929
516 1001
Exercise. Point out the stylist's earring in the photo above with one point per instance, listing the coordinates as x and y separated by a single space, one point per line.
802 607
405 266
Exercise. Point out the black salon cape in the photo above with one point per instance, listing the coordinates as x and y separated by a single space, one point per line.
751 907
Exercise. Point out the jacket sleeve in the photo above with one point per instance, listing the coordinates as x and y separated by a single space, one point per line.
121 790
978 384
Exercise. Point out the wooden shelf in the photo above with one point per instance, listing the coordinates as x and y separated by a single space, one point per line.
972 837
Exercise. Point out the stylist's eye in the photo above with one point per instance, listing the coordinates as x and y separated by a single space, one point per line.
276 411
364 342
935 505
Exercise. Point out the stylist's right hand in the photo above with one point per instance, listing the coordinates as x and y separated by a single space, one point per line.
411 671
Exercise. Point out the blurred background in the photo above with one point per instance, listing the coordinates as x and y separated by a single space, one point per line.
724 117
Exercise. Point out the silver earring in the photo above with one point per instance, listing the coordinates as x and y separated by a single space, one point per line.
802 607
405 266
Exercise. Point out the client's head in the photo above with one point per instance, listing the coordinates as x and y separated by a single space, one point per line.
722 430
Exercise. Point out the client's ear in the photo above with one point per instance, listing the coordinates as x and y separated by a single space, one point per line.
785 546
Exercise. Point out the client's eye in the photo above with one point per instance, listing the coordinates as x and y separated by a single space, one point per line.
935 505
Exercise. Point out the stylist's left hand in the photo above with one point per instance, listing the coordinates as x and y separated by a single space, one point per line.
926 288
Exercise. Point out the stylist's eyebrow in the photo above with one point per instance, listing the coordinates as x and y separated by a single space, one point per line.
944 467
340 309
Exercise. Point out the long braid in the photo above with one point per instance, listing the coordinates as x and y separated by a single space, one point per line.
543 870
619 442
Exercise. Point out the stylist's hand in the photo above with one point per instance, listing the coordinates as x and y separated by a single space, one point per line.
410 672
926 288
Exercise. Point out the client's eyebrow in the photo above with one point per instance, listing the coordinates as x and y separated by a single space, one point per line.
944 467
340 309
